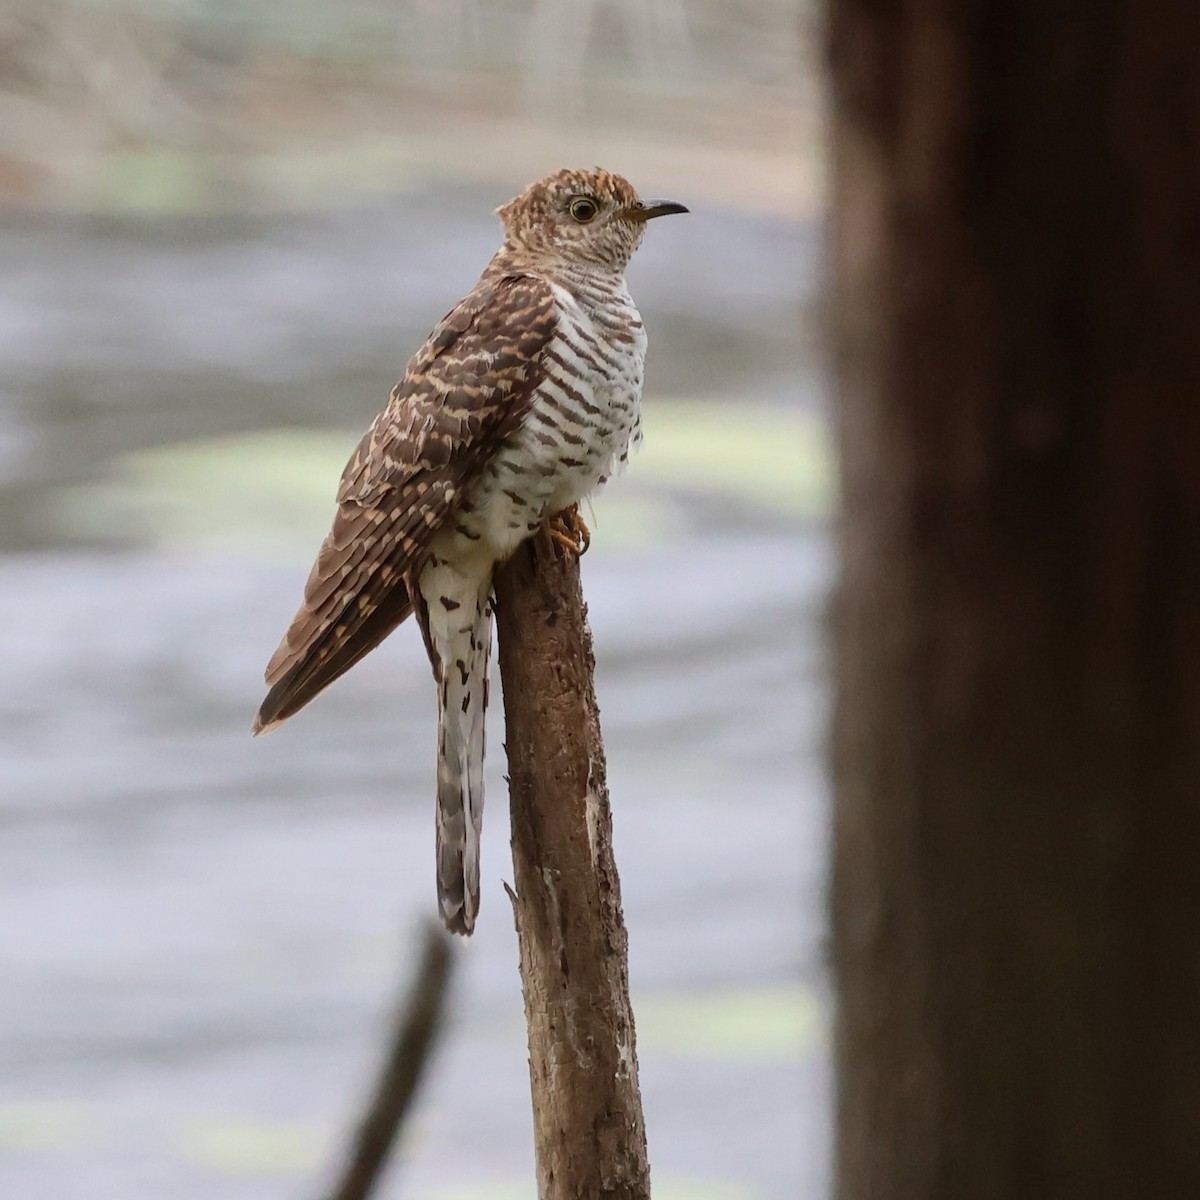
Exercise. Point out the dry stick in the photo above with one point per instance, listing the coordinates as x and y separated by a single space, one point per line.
416 1031
590 1138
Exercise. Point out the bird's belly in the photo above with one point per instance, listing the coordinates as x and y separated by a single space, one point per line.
567 447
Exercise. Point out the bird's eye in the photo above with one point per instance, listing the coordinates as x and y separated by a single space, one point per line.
583 209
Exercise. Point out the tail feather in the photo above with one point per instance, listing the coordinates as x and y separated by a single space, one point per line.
463 645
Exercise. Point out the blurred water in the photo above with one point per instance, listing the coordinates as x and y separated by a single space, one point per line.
201 935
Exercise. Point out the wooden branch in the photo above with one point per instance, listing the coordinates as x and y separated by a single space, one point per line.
590 1138
417 1024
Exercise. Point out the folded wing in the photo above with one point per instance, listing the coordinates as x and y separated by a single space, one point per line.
466 390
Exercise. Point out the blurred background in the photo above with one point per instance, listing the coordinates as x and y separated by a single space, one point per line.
224 228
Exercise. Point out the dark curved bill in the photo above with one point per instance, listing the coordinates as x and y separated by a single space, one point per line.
648 209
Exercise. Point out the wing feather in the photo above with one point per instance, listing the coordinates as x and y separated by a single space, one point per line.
466 390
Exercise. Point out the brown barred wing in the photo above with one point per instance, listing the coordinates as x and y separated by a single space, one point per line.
463 392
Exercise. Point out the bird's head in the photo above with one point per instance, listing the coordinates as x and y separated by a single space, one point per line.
592 219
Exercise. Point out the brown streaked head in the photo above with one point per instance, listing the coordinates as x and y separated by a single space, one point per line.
592 218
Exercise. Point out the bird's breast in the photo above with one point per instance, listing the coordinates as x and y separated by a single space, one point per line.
583 421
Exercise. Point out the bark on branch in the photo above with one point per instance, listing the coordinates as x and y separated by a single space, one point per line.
590 1138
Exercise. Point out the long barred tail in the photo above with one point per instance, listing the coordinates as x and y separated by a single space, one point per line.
462 706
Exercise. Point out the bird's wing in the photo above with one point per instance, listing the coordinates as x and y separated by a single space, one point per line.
463 392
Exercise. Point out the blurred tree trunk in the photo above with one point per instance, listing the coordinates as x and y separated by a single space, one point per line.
1017 726
589 1134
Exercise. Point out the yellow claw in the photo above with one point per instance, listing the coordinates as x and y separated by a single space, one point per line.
567 528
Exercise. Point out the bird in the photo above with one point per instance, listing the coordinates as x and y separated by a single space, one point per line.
524 399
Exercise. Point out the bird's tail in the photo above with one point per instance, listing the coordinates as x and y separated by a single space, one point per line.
462 706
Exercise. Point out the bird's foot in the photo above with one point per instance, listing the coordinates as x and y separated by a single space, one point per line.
568 530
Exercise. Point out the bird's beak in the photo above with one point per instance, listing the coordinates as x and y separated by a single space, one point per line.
648 209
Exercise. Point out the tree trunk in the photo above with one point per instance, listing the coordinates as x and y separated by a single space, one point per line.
1017 724
590 1139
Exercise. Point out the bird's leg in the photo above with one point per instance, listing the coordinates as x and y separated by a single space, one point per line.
569 531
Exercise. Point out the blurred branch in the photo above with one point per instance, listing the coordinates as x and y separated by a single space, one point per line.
417 1025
